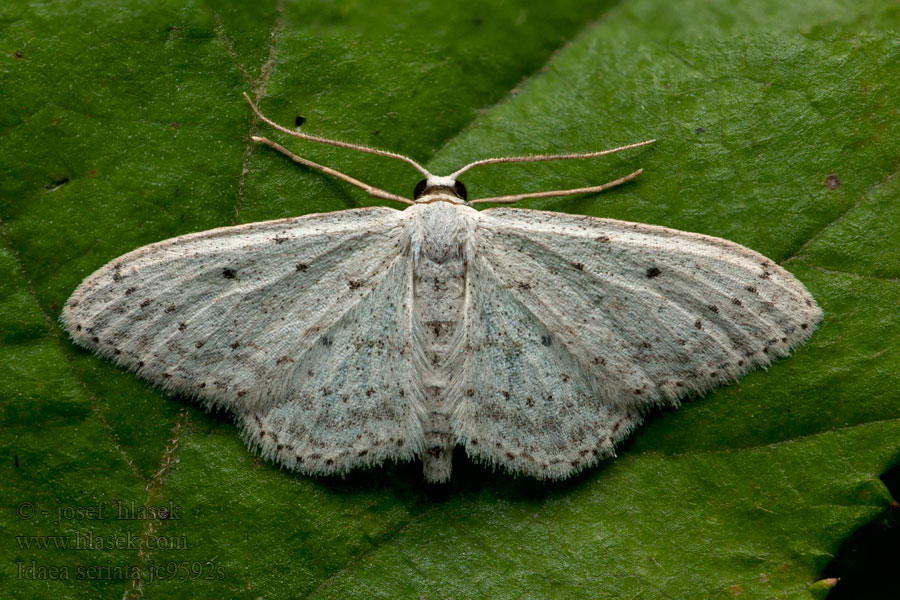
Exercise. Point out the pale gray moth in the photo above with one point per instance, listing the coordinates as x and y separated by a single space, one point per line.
536 340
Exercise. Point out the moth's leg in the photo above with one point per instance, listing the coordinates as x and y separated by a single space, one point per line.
551 193
371 190
545 157
313 138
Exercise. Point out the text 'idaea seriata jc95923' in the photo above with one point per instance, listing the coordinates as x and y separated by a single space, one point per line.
536 340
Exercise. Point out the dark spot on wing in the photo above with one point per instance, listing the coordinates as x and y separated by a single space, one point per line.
301 267
228 273
182 326
545 340
235 345
736 302
652 272
713 308
579 266
698 324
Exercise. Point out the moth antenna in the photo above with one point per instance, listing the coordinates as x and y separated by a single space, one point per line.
549 194
313 138
369 189
545 157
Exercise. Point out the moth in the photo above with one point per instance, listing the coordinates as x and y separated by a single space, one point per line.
535 340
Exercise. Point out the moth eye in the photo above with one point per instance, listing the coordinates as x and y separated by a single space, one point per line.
420 189
460 189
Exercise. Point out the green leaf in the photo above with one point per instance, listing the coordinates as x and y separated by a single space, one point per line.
777 128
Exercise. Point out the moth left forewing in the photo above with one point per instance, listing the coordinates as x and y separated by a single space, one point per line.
645 314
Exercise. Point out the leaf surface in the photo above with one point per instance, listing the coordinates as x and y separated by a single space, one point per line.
777 129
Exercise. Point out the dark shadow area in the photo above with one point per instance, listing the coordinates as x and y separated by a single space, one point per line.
867 564
468 479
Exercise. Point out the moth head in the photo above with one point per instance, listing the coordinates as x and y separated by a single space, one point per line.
430 189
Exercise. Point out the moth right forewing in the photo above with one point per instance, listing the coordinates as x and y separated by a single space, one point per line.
655 312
